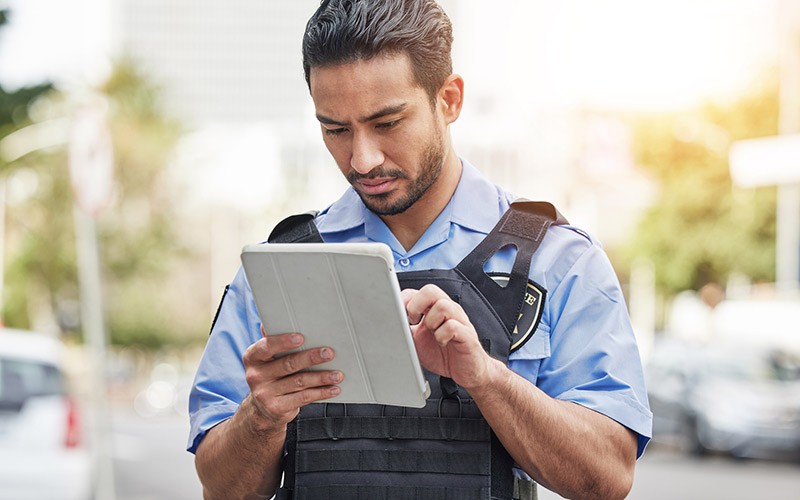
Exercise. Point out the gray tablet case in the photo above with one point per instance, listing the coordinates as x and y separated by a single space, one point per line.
344 296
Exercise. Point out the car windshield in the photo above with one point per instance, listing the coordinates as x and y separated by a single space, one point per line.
22 379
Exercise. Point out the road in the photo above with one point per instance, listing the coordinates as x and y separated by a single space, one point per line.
150 464
150 458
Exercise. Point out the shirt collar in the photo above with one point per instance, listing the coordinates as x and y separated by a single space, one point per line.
476 202
346 213
475 205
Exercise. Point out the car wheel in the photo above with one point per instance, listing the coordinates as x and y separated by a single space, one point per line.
696 446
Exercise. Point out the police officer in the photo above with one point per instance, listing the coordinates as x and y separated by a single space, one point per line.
519 320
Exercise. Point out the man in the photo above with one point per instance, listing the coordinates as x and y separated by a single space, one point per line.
562 397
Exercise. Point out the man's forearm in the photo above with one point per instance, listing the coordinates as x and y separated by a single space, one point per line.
568 448
241 457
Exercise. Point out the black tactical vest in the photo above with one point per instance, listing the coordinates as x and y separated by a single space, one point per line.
445 450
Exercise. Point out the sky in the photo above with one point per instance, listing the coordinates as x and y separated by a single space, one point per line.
651 54
66 41
619 54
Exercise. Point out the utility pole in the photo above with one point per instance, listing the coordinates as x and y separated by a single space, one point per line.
91 171
788 230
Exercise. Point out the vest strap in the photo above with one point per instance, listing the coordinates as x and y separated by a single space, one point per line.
296 229
523 490
393 461
390 493
524 226
426 428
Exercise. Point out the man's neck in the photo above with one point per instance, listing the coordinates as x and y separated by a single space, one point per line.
409 226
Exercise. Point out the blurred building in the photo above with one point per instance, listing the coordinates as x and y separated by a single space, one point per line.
234 61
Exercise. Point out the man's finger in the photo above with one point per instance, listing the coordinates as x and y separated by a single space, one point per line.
407 294
302 398
421 301
308 380
442 311
297 362
448 331
266 348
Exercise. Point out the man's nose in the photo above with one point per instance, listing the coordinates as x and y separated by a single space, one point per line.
366 155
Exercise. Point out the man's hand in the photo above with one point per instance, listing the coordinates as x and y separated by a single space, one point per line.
278 384
447 343
241 457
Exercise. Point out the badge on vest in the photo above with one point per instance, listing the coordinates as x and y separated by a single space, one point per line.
529 315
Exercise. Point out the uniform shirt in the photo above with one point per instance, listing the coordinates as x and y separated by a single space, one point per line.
583 350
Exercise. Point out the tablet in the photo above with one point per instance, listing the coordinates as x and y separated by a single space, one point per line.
345 296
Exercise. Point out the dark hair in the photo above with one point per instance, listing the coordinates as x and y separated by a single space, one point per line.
344 31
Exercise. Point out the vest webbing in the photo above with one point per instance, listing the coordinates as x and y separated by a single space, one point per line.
446 449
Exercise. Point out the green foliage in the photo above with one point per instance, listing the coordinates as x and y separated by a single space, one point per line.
702 228
136 234
138 237
14 106
137 318
29 268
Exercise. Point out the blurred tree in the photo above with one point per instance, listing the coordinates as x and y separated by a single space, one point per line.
137 242
702 229
14 115
14 105
138 236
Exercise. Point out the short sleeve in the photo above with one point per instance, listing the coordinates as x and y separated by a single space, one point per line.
219 385
594 360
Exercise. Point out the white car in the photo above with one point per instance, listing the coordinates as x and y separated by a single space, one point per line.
43 454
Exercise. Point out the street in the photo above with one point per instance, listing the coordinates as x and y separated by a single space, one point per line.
150 458
150 464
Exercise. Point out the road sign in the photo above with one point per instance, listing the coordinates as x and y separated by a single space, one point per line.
775 161
768 161
91 158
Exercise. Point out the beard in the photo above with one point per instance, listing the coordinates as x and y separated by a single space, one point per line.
382 204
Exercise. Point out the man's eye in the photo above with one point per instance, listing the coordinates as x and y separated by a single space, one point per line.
390 124
335 131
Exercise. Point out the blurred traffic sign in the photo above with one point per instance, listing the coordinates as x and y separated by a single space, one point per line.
775 161
91 157
768 161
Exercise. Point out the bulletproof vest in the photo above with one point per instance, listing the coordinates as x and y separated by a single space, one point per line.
445 450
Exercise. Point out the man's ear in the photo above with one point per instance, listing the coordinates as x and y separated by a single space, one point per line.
451 98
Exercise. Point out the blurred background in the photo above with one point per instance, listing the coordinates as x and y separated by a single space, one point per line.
143 143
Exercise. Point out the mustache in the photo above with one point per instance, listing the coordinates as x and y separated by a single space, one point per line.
376 172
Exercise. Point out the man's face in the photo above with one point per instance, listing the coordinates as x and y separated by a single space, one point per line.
380 127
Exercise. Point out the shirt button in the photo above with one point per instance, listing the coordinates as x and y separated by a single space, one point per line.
404 262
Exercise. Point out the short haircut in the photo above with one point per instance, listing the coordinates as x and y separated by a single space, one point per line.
344 31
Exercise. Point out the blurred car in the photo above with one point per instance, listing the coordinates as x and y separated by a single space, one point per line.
42 451
740 401
670 373
749 405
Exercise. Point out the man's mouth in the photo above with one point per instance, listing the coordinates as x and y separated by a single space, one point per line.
376 185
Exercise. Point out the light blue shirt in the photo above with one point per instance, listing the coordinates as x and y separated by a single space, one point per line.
583 350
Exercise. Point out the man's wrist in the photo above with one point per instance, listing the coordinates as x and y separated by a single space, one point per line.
258 423
497 374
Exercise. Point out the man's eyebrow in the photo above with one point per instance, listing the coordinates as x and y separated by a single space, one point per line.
330 121
388 110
